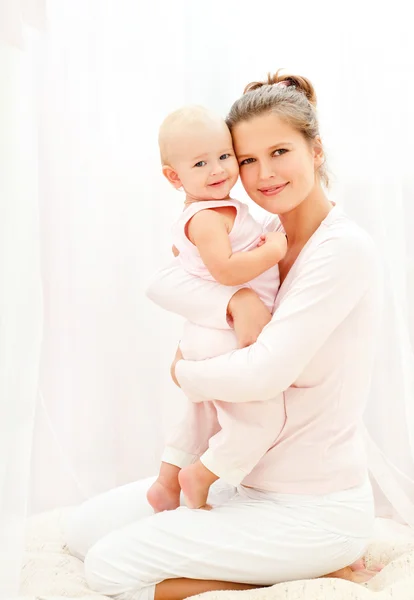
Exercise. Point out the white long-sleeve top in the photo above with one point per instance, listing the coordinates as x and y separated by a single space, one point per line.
317 354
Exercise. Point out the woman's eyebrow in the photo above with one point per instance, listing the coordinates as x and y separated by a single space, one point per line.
278 145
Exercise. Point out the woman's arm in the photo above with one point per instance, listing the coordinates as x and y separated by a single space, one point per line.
328 287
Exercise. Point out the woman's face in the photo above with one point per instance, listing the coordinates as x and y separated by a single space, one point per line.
277 165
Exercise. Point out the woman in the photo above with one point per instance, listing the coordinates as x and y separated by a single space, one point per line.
306 509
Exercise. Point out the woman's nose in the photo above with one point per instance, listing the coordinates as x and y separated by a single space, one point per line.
266 170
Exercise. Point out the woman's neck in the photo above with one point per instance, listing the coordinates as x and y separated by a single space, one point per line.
302 222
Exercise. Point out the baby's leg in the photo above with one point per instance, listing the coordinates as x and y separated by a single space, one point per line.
190 438
185 444
248 431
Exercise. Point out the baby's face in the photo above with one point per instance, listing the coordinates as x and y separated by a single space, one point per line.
205 162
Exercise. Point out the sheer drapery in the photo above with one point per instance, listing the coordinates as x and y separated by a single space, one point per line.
114 71
20 282
110 72
104 222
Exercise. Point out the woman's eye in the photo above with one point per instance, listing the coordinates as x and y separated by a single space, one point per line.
200 163
224 156
246 161
279 152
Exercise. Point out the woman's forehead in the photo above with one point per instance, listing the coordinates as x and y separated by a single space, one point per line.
261 132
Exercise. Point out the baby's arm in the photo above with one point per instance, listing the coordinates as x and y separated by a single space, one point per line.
208 231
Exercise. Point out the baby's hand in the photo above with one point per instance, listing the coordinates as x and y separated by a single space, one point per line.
276 242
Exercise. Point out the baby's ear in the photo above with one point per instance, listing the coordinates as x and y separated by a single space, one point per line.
172 176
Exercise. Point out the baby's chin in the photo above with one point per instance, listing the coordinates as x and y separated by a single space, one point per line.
219 193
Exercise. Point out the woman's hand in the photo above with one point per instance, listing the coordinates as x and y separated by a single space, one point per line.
178 356
249 316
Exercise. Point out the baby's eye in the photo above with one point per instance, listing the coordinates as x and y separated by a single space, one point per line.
200 163
246 161
224 156
280 151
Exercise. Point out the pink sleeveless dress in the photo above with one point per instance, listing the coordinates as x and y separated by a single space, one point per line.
244 236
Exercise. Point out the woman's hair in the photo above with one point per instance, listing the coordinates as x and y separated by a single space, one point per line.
290 97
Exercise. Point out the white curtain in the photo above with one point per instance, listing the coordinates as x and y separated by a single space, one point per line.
104 387
20 281
110 71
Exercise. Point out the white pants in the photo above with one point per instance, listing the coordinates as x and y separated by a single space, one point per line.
230 439
249 536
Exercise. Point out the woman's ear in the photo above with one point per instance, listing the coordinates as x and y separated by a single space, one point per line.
318 154
172 176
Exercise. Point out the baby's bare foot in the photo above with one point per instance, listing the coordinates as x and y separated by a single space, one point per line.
164 495
195 481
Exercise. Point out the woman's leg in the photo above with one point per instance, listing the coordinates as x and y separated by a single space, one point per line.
117 508
251 540
179 589
101 514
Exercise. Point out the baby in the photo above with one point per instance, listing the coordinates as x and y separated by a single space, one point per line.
215 238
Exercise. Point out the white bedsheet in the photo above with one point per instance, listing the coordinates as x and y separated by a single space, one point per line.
51 573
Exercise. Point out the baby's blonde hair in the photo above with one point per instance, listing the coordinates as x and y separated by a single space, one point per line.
178 122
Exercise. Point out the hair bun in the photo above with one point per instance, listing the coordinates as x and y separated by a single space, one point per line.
302 84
